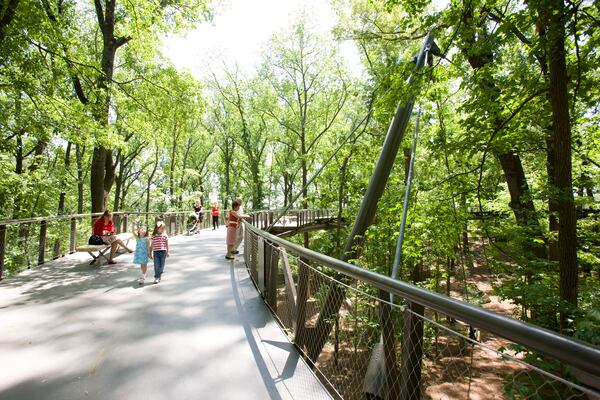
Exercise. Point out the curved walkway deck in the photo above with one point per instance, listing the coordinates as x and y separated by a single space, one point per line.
71 331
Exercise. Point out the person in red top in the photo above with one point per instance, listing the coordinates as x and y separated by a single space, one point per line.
105 229
232 227
215 215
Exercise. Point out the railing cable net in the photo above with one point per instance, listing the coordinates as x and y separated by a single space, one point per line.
433 347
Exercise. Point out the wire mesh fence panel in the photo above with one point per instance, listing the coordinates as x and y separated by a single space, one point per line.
57 238
22 246
363 346
84 231
463 362
286 303
253 242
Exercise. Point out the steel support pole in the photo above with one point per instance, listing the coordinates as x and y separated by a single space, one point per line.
368 207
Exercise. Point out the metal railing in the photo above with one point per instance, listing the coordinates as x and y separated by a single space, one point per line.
28 242
292 218
428 346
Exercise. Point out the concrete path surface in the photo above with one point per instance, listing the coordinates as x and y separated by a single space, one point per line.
72 331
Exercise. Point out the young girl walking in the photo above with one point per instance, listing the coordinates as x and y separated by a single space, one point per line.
160 249
142 252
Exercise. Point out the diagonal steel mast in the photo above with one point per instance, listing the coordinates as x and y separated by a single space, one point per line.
368 208
385 162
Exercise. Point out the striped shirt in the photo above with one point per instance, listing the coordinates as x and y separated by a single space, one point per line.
159 242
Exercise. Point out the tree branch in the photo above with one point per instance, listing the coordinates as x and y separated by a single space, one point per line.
99 13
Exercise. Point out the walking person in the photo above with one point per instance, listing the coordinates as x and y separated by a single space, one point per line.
142 252
215 215
160 249
104 233
235 218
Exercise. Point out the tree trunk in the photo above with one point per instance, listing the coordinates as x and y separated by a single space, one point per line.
98 196
19 153
520 198
257 195
567 229
7 13
150 179
103 170
466 252
172 169
79 153
342 185
119 181
553 252
63 191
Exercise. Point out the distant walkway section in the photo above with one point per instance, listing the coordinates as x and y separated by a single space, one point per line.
73 331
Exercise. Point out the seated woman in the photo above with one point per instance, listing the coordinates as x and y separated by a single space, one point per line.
105 228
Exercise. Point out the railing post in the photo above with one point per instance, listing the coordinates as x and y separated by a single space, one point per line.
42 249
117 223
2 248
174 219
290 288
412 352
125 222
73 240
261 264
301 334
246 251
388 327
271 271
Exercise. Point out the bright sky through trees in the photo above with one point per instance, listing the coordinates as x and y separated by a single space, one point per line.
239 30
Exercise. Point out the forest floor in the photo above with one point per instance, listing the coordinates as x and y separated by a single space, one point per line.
472 371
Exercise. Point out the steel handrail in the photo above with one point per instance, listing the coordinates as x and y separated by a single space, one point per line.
568 350
61 217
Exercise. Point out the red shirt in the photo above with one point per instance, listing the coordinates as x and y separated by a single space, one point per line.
100 227
233 220
215 211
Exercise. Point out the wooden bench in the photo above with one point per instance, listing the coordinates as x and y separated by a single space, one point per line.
101 249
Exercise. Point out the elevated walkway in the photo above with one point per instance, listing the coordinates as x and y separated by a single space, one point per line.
71 331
